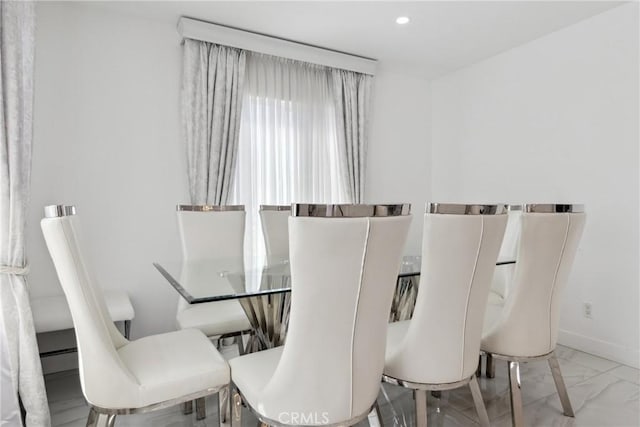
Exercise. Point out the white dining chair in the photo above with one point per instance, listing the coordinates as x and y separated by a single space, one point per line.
212 237
438 348
525 327
275 229
119 376
344 266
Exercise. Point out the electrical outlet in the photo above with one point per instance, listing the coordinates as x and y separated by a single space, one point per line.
587 310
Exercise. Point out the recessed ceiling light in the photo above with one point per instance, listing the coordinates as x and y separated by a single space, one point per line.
402 20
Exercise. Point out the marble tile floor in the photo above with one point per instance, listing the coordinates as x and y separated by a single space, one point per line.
603 393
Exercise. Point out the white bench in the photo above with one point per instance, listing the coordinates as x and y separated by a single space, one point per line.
52 314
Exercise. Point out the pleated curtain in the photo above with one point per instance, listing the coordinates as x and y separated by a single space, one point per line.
20 370
352 92
262 129
211 101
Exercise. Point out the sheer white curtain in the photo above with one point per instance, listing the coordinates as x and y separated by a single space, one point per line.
288 150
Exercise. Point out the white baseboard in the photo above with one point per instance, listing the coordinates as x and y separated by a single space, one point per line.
608 350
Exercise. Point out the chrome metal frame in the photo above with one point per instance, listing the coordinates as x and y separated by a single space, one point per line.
512 208
236 413
464 209
515 384
420 396
553 208
349 211
96 414
57 211
209 208
275 208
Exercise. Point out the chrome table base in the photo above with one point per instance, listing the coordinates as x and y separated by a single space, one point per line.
404 298
269 317
269 314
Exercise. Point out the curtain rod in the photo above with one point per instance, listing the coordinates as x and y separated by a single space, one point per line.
220 34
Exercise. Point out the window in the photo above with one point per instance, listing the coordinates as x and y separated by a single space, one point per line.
288 147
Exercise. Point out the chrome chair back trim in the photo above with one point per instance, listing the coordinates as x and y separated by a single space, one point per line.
57 211
275 207
464 209
349 211
552 208
209 208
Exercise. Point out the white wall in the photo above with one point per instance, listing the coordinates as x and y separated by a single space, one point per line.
399 154
107 139
557 120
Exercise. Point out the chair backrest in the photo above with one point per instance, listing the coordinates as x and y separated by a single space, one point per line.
528 323
105 380
211 232
275 229
459 252
344 266
212 237
503 275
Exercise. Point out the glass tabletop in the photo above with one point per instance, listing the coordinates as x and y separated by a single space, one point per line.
224 279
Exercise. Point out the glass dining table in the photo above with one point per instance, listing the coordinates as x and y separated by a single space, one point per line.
264 292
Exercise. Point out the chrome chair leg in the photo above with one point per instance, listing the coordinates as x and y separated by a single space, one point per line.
420 397
236 408
240 344
127 329
224 406
187 407
560 386
110 420
201 409
479 402
375 416
517 417
490 366
479 368
92 419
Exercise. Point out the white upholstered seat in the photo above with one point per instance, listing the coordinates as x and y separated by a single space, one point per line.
438 348
173 364
119 376
214 319
275 229
525 327
343 272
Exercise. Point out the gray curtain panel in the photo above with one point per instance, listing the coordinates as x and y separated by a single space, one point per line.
212 92
19 356
352 93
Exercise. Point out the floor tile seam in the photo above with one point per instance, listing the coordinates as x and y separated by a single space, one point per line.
589 367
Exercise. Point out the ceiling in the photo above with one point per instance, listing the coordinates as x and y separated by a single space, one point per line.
442 36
